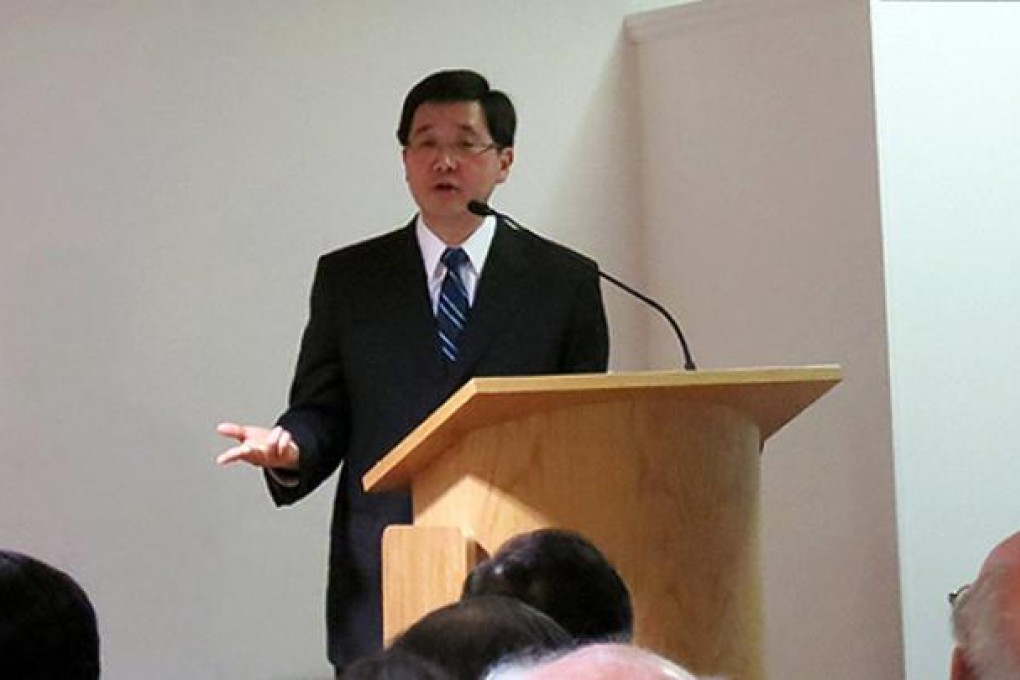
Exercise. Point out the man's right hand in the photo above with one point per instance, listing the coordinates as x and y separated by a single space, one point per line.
259 446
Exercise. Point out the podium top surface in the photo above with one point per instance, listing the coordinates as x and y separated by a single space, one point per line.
771 397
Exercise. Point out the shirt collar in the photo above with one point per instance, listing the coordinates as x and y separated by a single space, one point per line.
476 246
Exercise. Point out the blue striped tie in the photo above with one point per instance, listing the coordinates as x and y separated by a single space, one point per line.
451 315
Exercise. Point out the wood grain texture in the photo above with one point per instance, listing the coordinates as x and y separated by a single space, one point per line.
661 471
769 396
423 569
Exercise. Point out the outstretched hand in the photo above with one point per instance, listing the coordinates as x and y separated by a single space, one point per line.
259 446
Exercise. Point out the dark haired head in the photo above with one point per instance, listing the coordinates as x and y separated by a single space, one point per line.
395 664
467 637
564 575
47 625
461 86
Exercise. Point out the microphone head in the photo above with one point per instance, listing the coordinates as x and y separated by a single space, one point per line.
480 209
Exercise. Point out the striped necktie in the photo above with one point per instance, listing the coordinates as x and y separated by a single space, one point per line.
451 315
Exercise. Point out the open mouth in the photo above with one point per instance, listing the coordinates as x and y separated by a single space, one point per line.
445 187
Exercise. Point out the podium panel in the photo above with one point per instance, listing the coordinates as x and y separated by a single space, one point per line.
660 471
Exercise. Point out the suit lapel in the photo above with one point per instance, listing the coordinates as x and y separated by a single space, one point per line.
415 322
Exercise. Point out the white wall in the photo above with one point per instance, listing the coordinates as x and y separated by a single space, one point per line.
948 102
761 206
170 172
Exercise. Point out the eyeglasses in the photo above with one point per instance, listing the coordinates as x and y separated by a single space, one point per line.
461 149
958 595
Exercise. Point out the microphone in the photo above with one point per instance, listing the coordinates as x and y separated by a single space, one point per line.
484 210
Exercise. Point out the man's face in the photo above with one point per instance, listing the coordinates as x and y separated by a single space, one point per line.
450 160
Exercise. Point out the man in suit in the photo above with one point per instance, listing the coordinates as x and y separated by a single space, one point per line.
379 352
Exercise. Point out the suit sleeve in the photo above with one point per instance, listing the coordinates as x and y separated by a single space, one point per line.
317 413
586 346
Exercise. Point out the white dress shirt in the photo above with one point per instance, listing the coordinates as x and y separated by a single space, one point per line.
476 247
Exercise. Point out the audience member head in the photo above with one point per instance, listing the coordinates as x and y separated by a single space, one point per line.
467 637
564 575
395 664
605 661
461 86
47 625
986 618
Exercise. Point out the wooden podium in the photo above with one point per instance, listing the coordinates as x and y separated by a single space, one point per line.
660 470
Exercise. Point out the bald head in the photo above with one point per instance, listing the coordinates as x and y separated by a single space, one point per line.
986 618
1006 554
596 662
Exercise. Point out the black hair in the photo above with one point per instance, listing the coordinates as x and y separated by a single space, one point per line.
48 627
564 575
395 664
469 636
461 86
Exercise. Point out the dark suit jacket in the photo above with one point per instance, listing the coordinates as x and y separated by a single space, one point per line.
370 371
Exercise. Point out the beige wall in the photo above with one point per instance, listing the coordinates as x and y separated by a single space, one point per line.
761 209
170 172
948 102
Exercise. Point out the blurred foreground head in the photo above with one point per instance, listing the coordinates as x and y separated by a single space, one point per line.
986 618
564 575
395 664
47 625
609 661
467 637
